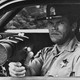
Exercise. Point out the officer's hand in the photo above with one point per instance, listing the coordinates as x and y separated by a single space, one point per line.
16 69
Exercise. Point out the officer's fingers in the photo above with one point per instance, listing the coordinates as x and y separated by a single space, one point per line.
17 69
14 75
16 72
11 64
21 75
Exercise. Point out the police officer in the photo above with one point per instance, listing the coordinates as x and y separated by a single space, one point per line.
61 59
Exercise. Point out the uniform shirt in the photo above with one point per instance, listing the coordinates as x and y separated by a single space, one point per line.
50 62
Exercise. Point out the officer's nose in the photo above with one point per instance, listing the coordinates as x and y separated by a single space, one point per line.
52 26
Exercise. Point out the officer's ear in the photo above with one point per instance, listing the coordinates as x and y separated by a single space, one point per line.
74 26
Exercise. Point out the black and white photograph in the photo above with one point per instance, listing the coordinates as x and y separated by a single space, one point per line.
39 40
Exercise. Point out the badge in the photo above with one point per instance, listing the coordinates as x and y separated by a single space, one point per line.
52 11
64 63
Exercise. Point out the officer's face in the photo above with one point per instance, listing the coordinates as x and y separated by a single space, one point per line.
59 29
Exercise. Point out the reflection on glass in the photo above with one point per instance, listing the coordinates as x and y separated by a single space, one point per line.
26 18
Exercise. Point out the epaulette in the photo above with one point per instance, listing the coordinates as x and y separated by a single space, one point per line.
48 48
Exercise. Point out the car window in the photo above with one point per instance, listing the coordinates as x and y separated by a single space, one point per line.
26 18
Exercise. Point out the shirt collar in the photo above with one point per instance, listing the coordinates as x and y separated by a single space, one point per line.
72 44
69 47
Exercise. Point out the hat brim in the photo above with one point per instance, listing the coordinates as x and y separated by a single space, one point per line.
50 17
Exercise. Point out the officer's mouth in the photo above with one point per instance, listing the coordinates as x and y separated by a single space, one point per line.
55 33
